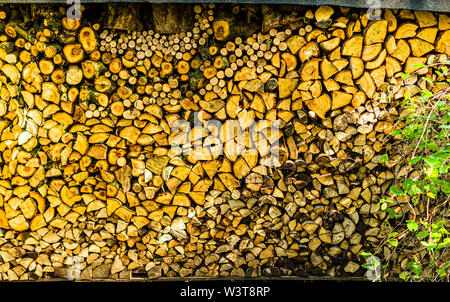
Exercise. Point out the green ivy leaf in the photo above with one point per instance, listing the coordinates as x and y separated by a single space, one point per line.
431 195
414 190
431 162
417 270
396 132
433 146
404 276
393 234
396 190
441 156
412 225
447 118
431 246
439 224
391 212
407 184
393 242
366 255
422 234
384 158
415 160
441 272
404 76
445 187
412 264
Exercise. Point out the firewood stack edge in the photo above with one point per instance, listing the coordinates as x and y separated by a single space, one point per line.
92 187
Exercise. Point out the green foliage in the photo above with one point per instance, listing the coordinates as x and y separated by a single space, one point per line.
425 187
384 158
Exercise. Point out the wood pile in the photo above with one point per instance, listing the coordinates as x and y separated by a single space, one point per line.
92 186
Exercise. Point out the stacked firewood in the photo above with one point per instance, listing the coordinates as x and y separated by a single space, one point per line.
96 183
